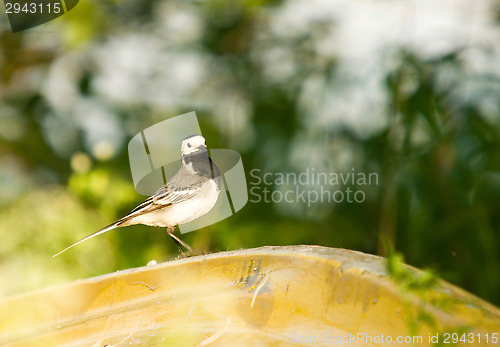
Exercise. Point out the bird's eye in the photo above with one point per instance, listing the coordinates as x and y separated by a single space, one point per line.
189 145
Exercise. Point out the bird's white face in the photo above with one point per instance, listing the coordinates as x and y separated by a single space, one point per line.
193 144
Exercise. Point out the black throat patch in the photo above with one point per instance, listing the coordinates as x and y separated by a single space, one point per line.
202 164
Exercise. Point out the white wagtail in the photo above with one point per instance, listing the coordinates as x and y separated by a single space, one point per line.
188 195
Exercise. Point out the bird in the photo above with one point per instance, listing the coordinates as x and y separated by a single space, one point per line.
191 193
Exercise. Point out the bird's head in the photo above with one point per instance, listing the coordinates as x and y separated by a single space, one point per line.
192 144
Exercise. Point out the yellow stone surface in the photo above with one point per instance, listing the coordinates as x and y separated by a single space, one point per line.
269 296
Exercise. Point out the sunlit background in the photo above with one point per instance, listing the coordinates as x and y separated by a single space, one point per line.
405 89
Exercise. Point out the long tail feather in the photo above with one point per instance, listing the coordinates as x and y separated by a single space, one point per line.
112 226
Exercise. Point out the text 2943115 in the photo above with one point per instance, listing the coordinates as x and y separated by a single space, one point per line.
33 7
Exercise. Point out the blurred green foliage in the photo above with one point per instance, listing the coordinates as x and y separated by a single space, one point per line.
268 79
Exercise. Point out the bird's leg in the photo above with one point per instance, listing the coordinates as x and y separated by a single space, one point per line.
171 234
178 241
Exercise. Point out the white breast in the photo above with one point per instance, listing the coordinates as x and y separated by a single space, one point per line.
198 206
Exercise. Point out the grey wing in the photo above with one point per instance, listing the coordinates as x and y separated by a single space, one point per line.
170 196
163 197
